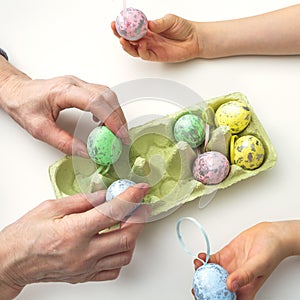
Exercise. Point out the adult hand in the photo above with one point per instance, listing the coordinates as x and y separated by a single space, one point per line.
36 104
169 39
253 255
60 241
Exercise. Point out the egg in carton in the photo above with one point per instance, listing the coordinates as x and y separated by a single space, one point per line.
156 157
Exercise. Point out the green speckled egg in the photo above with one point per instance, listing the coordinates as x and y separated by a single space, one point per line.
235 114
248 152
190 129
104 148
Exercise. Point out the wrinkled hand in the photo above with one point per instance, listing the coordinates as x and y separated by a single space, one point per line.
36 104
250 258
169 39
60 241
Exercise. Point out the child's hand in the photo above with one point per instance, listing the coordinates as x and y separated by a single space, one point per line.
252 256
169 39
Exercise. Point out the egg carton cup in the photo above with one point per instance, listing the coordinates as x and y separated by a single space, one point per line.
156 158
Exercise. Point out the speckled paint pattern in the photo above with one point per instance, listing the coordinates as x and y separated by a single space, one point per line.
248 152
104 148
211 167
235 114
133 26
209 283
190 129
118 187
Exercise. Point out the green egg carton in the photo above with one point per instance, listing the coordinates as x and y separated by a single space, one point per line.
155 157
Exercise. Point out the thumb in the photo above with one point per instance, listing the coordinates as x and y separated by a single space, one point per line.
244 275
163 24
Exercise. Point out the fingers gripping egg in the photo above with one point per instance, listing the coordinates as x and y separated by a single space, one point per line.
118 187
235 114
209 281
131 24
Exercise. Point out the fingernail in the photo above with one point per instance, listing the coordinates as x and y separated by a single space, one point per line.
142 185
235 286
126 141
80 150
96 198
123 134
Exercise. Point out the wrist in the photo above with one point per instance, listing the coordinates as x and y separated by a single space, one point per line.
207 44
8 288
289 233
10 81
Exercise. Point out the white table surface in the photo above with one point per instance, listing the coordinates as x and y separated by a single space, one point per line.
51 38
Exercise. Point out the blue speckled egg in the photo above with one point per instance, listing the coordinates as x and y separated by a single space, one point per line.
104 148
190 129
118 187
209 283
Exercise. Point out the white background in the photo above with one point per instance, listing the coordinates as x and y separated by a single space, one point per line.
59 37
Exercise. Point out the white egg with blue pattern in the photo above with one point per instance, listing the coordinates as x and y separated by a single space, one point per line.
118 187
209 283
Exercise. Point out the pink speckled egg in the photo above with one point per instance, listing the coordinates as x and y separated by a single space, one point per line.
131 25
211 167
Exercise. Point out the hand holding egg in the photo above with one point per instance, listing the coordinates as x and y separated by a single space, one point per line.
209 281
117 188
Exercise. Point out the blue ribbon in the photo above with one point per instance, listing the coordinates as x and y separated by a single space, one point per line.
185 248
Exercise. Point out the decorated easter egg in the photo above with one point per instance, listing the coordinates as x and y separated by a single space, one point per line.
247 152
211 167
118 187
235 114
131 24
190 129
104 148
209 283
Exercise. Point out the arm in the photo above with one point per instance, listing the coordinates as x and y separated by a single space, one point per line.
36 104
174 39
273 33
253 255
59 240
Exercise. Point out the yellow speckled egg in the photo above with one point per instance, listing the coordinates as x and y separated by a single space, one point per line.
235 114
247 152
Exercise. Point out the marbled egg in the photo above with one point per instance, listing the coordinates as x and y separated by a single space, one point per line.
131 25
118 187
235 114
247 152
190 129
104 148
209 283
211 167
